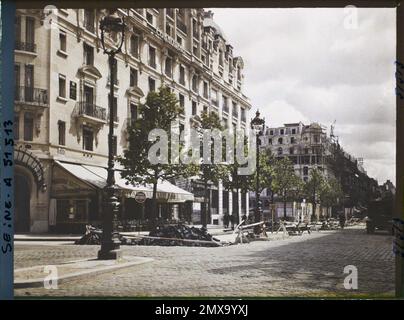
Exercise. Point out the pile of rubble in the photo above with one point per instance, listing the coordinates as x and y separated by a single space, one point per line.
92 236
180 235
171 235
181 231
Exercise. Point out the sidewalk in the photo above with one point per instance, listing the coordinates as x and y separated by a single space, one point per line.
46 237
37 276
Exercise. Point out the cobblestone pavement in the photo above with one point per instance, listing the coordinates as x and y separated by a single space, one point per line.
308 265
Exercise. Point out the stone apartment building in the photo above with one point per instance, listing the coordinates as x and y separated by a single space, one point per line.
309 147
61 108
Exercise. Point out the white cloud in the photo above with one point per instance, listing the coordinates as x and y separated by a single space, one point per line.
303 65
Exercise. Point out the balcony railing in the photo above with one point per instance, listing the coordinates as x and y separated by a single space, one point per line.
25 46
91 110
31 95
181 25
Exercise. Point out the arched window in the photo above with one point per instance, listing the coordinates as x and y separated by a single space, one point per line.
292 150
280 151
280 140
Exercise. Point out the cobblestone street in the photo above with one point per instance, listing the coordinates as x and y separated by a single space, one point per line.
308 265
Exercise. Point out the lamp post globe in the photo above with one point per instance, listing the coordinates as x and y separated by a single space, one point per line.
112 27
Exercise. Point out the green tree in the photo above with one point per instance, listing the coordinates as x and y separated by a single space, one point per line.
286 184
331 192
235 181
313 187
210 172
265 174
159 110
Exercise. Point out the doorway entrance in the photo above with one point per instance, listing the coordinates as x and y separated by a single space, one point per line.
22 196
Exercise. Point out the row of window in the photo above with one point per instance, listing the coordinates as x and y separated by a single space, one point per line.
293 140
283 131
292 150
134 50
280 140
89 60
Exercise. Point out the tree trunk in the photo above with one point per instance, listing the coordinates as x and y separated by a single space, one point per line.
313 216
284 207
205 206
153 216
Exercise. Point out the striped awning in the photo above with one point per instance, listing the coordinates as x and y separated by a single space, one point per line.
97 176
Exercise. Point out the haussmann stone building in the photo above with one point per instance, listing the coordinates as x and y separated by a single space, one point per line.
61 109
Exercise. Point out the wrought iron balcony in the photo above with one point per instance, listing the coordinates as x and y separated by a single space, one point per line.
25 46
91 110
31 95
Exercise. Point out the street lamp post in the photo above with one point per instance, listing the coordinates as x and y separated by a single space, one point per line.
258 126
113 26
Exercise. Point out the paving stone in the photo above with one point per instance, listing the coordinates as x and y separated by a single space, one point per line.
308 265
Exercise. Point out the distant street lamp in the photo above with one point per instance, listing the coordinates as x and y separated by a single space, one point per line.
113 27
258 127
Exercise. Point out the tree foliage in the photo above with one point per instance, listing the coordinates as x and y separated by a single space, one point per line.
210 172
285 183
331 193
159 110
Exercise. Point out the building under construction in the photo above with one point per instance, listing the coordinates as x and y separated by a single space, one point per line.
309 147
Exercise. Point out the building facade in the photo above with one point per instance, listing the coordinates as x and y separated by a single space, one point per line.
310 147
307 146
61 105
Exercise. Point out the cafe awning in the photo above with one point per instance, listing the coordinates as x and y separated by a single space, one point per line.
97 176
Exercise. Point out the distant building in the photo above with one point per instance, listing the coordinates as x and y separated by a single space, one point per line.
309 147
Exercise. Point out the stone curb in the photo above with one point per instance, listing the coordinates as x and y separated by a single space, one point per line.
39 282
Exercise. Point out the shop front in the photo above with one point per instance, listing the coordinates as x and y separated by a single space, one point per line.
77 195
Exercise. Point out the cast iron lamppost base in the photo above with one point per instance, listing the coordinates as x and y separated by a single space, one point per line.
111 24
258 126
